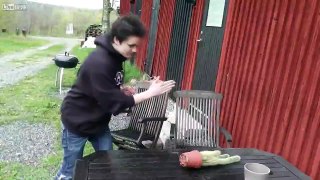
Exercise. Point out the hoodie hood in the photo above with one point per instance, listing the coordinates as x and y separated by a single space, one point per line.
105 42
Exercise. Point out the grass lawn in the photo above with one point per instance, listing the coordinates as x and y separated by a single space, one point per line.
47 53
12 43
35 100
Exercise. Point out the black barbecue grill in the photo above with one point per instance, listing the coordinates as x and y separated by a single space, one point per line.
64 61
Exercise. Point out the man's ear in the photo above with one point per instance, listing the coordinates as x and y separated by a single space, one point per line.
116 41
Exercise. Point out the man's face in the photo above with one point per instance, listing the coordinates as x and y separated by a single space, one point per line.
128 47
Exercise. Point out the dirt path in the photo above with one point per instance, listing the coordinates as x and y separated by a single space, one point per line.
10 74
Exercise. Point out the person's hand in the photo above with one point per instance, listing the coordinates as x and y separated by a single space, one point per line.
154 78
159 87
129 91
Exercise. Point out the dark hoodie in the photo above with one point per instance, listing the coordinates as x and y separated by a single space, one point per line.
96 95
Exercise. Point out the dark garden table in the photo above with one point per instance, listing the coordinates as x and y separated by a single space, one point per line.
153 164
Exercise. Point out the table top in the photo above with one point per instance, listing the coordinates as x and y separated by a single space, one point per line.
147 164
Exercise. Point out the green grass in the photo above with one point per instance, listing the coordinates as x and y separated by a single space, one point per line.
11 43
34 100
131 72
47 53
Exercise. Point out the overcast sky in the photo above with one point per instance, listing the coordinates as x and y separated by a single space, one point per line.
87 4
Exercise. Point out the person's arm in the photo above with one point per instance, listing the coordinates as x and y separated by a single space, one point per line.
156 88
112 99
128 90
138 98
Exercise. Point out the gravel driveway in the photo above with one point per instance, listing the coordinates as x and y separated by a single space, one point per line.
21 141
9 74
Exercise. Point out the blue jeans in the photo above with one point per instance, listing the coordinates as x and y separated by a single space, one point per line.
73 146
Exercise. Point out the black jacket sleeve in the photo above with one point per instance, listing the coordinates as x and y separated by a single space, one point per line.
105 91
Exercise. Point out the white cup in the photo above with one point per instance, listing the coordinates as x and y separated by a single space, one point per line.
256 171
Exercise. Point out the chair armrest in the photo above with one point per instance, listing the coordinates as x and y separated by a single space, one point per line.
227 135
144 120
172 130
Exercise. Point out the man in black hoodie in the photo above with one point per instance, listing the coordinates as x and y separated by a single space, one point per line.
96 94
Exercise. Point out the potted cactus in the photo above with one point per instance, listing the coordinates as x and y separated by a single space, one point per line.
197 159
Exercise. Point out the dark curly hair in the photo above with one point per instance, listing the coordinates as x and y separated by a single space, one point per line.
125 26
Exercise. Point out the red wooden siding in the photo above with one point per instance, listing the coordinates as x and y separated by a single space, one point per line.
191 56
269 74
161 52
125 7
146 10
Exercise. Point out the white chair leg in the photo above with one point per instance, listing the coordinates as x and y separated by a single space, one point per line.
61 77
57 75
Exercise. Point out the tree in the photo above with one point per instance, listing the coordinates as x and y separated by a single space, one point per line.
106 15
44 19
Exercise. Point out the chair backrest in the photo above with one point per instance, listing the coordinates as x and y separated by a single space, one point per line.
197 118
154 107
